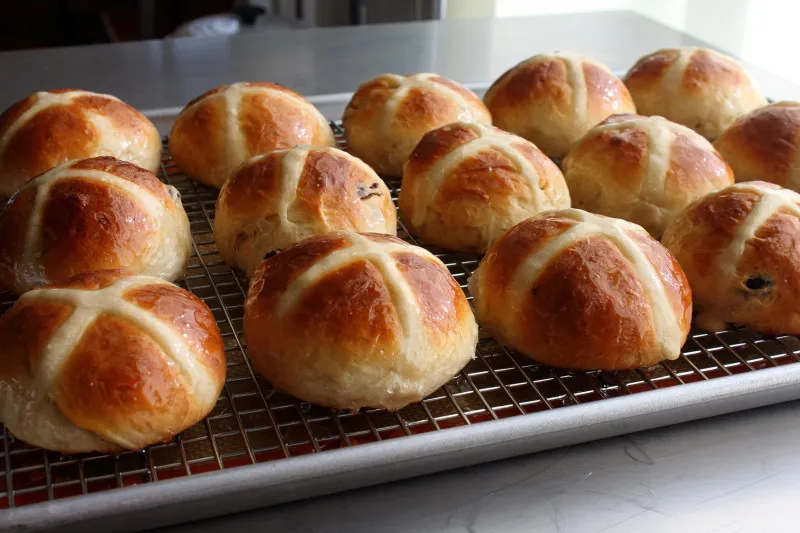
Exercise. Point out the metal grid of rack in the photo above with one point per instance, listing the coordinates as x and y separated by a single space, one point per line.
252 423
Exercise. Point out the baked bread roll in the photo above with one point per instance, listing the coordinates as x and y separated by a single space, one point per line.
582 291
696 87
285 196
642 169
49 128
554 99
739 249
93 214
465 184
349 320
108 361
763 145
223 128
388 115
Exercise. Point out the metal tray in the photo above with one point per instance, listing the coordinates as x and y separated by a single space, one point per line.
259 447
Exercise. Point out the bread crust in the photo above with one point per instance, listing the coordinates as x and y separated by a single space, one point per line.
697 87
642 169
388 115
554 99
49 128
221 129
739 249
582 291
277 199
108 361
348 320
92 214
465 184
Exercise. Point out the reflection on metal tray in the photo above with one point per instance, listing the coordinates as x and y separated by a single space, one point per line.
302 450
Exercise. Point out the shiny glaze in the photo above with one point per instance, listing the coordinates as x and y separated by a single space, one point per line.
224 127
389 114
355 320
108 360
554 99
67 124
763 145
92 214
465 184
284 196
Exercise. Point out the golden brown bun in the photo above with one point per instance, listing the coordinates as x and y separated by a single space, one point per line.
94 214
285 196
553 100
108 361
49 128
388 115
642 169
763 145
351 320
582 291
699 88
740 250
465 184
223 128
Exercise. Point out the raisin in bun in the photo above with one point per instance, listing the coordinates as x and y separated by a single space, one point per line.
642 169
108 361
49 128
349 320
763 145
389 114
582 291
739 249
697 87
284 196
554 99
223 128
465 184
93 214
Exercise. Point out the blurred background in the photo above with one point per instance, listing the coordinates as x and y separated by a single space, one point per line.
761 31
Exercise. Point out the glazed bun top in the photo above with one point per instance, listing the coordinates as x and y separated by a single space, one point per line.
696 87
49 128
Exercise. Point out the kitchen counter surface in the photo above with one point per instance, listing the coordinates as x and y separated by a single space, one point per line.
169 73
739 472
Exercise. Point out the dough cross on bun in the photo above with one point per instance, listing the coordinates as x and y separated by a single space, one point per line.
770 201
348 320
642 169
554 99
583 291
379 253
389 114
223 128
422 81
50 128
488 138
108 361
94 214
89 305
664 317
738 247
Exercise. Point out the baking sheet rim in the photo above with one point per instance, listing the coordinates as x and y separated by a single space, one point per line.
260 485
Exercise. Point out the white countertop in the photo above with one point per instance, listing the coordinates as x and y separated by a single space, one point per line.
169 73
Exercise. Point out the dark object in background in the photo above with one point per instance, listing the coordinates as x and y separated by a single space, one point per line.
80 22
76 22
248 13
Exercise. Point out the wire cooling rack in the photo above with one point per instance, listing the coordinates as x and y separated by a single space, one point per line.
252 423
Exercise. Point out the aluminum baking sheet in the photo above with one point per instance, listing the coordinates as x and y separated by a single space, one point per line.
260 447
